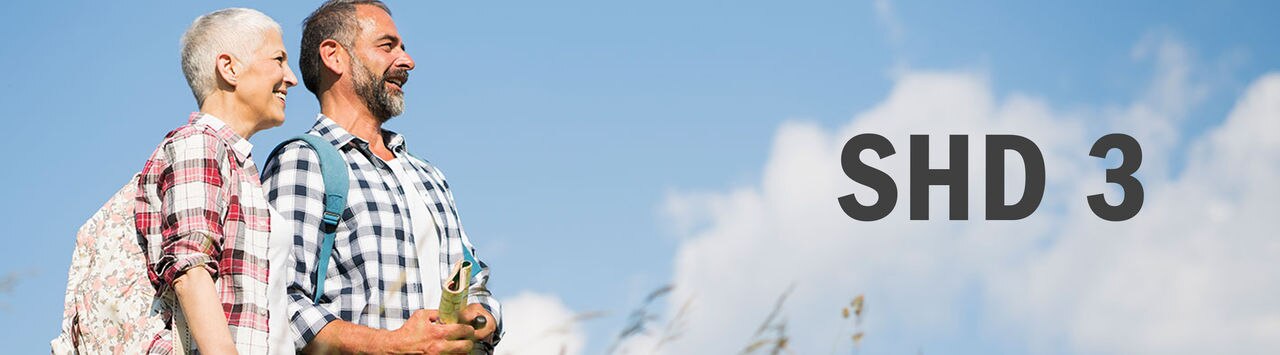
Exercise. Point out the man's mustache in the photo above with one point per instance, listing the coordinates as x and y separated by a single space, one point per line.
398 74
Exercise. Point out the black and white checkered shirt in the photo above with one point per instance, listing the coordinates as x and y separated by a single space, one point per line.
373 273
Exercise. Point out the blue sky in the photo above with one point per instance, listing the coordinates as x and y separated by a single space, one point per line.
566 126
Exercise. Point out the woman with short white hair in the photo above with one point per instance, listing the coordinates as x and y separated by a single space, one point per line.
210 237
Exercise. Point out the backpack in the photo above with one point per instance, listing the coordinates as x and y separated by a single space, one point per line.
110 306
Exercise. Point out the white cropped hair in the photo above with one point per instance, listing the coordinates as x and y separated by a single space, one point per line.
235 31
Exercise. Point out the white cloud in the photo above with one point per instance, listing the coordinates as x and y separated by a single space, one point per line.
885 14
1194 272
538 324
1154 118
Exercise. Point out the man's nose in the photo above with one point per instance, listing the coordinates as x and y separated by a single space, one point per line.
405 61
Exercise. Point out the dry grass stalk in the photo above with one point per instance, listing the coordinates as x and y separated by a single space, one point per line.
675 327
639 319
855 331
774 323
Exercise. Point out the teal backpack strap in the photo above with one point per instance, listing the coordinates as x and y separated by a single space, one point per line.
336 182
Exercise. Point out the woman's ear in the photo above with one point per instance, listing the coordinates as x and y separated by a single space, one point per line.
227 69
334 56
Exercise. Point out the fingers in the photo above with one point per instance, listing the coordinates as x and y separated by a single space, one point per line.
434 338
457 331
474 311
468 317
455 347
455 339
431 315
428 319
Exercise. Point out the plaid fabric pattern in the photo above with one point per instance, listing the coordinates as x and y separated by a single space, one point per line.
200 204
373 274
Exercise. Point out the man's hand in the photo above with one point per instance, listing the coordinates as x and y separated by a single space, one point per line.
422 335
477 310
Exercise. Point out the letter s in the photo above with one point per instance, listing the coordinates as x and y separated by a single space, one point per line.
877 180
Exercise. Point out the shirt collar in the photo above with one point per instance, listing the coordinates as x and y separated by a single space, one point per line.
340 137
241 146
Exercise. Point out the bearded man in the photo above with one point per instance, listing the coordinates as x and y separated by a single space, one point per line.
399 232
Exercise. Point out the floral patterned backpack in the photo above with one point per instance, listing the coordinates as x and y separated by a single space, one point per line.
111 306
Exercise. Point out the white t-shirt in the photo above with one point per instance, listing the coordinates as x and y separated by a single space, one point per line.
279 248
425 239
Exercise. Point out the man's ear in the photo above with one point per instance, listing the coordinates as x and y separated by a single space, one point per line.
226 68
334 56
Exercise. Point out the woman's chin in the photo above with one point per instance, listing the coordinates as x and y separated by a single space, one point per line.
274 119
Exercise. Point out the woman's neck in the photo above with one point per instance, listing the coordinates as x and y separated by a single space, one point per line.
230 113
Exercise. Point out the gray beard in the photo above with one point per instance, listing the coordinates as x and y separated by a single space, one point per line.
381 103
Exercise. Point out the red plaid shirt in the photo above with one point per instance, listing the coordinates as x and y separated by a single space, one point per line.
200 204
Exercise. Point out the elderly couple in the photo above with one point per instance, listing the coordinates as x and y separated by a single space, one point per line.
240 253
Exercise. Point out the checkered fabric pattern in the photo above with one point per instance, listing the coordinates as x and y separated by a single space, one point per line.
373 274
200 204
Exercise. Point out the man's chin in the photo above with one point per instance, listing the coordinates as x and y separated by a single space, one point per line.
396 104
395 94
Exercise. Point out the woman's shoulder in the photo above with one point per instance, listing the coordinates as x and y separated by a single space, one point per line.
191 139
191 132
188 145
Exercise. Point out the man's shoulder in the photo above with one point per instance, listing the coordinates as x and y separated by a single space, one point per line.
293 145
291 155
297 148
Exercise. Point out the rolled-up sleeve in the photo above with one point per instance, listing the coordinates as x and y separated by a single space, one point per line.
479 285
193 201
295 187
480 294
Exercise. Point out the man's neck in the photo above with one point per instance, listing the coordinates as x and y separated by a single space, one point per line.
354 117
